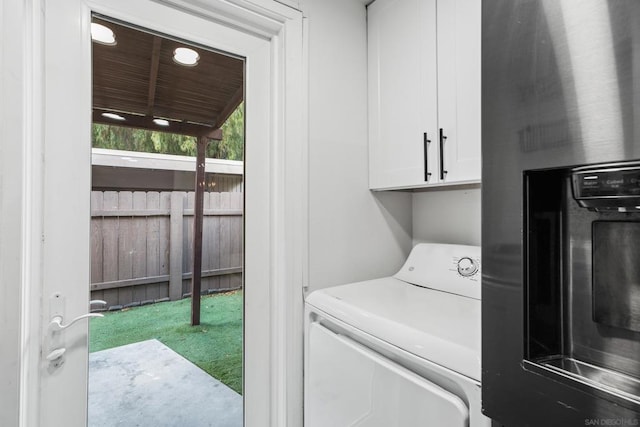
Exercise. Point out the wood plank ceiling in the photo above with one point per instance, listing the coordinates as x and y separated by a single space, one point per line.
138 79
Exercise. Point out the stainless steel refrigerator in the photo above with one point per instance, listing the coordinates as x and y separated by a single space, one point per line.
561 212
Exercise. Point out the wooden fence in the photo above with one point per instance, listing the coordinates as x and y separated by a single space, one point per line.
142 245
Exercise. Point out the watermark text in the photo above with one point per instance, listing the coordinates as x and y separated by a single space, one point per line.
611 422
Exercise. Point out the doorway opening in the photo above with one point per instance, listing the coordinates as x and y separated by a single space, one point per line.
167 238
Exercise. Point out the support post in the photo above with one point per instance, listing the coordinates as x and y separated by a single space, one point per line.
176 242
197 232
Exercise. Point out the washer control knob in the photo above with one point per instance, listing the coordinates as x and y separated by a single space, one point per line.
467 267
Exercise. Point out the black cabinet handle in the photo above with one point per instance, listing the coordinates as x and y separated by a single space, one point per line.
442 138
426 141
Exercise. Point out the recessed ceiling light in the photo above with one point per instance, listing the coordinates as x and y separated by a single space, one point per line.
186 56
113 116
161 122
102 34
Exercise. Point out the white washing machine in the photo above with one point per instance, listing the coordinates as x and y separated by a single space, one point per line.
401 351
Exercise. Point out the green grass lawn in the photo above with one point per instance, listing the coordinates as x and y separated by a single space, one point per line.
215 345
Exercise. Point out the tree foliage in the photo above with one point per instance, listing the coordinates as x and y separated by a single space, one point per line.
231 147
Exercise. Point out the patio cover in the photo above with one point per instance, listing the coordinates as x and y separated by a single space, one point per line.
138 79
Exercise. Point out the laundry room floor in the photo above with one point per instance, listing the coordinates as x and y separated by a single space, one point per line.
148 384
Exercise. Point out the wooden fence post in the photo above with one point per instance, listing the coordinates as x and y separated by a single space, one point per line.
175 248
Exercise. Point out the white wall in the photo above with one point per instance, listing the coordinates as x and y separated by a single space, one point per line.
354 234
447 216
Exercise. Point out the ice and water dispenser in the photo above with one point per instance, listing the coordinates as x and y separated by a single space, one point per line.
582 278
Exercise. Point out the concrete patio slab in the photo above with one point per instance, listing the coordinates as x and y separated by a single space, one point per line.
147 384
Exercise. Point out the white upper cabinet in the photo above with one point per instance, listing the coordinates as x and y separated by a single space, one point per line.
424 93
402 91
459 87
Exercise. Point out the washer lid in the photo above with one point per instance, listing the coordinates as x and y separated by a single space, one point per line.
437 326
449 268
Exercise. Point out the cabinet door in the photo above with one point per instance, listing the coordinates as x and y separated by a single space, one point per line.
459 83
402 92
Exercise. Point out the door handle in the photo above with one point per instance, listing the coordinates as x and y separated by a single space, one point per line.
426 141
56 321
442 138
57 303
55 353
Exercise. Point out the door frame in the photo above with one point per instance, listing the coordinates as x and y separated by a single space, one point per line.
280 339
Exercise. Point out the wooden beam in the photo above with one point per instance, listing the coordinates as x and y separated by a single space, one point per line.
146 122
235 100
153 74
213 134
197 231
162 212
101 286
130 213
216 212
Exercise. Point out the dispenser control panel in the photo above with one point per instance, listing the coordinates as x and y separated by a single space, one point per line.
608 187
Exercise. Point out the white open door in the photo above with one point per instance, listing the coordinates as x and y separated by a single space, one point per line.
62 383
67 180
